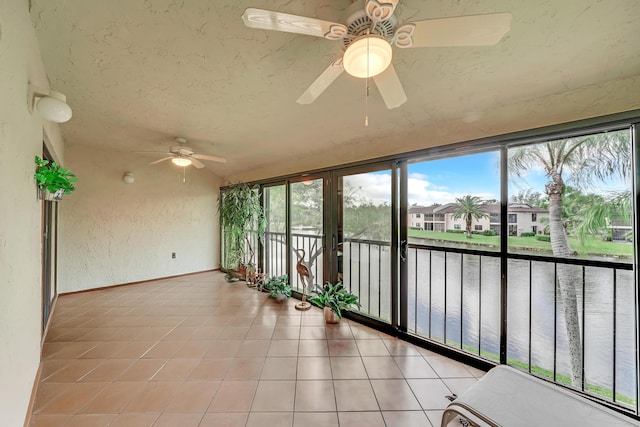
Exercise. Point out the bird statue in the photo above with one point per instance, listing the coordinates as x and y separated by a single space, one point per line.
303 271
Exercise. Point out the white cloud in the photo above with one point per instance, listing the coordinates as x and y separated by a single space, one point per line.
376 188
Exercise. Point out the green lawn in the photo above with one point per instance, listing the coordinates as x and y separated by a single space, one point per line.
591 246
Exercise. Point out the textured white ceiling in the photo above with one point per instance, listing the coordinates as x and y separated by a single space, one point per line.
139 73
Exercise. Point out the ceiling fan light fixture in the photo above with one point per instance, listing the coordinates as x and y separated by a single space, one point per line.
367 56
181 161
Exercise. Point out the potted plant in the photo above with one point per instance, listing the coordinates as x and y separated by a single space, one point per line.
278 287
334 299
241 214
53 180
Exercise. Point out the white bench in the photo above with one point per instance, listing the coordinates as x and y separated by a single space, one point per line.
508 397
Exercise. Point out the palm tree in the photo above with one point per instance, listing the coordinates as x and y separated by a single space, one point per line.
585 159
468 208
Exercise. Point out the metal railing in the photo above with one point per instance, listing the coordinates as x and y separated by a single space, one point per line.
366 271
275 256
454 299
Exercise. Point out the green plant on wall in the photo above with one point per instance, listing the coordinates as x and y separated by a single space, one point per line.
240 215
51 177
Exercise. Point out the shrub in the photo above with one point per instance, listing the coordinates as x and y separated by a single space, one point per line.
456 231
488 233
543 237
528 234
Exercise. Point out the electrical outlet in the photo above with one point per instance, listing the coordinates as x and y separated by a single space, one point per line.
173 254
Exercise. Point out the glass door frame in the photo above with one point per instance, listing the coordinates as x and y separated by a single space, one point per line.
333 212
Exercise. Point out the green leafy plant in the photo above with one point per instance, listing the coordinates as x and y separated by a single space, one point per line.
52 177
240 215
278 285
336 297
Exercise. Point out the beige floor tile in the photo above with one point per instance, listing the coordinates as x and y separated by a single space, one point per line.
283 348
280 368
260 332
312 333
415 367
90 420
315 419
362 419
109 370
176 370
193 396
395 395
253 348
270 419
70 397
355 395
382 367
275 396
341 331
348 368
74 371
286 333
223 348
133 420
179 352
315 396
405 418
245 369
398 347
142 370
343 348
225 420
211 369
192 349
363 333
430 393
314 368
113 398
234 396
372 347
447 368
154 397
164 349
173 419
313 348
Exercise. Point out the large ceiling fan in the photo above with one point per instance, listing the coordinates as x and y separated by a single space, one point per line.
184 156
368 35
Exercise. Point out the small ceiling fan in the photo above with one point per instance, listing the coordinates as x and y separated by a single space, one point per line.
184 156
368 35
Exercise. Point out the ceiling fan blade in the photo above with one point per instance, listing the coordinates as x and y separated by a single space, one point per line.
322 82
380 10
212 158
197 163
269 20
161 160
472 30
390 87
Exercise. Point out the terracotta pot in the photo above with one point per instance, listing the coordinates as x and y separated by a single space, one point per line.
330 316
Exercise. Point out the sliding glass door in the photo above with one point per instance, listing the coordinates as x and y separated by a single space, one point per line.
363 237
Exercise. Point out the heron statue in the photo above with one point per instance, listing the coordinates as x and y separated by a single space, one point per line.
303 271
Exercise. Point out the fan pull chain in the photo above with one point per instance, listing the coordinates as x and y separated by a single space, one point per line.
366 94
184 175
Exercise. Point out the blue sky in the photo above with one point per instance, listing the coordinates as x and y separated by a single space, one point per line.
442 181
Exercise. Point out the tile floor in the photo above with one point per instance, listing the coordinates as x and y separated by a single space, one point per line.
198 351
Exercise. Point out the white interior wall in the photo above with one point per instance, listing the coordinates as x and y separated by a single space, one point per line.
21 136
113 233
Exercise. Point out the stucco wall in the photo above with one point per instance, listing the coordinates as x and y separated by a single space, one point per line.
113 233
21 136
